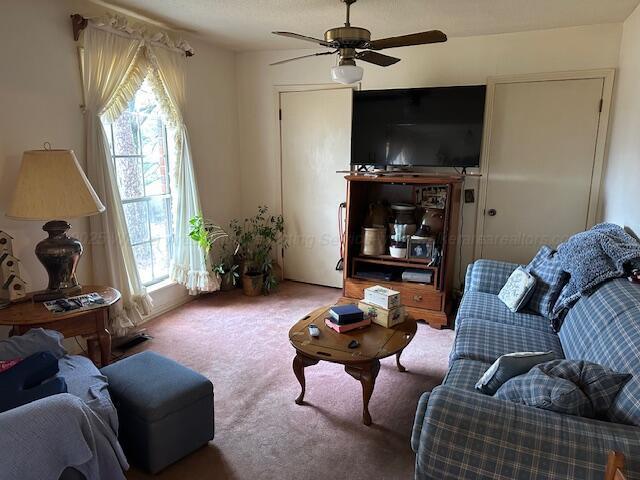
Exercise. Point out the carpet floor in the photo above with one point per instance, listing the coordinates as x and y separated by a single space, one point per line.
242 345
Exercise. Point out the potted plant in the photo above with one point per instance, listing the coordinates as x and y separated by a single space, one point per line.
227 269
206 234
257 236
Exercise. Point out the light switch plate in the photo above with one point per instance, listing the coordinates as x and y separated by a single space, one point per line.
469 195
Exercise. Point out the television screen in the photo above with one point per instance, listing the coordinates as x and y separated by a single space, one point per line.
436 127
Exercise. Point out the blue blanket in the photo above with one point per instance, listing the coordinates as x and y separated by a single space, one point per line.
593 257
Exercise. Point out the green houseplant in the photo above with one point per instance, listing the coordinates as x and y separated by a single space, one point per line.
257 237
227 269
206 233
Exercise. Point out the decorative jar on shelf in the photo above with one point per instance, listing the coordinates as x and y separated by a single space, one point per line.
404 214
374 240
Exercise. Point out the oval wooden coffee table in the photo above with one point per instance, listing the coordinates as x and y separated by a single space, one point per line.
362 363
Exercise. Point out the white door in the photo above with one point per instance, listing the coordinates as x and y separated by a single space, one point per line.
540 166
315 131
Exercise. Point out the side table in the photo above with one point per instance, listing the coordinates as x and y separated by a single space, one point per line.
93 325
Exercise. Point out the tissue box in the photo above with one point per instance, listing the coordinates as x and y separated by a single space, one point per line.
382 297
382 316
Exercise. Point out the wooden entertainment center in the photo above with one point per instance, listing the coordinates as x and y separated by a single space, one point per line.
430 302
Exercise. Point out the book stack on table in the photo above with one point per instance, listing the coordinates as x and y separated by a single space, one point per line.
345 318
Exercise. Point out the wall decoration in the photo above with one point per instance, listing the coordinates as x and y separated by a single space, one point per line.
12 287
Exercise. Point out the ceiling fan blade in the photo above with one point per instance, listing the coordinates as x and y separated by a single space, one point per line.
377 58
303 56
303 37
432 36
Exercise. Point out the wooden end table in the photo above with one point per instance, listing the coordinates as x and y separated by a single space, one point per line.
92 324
362 363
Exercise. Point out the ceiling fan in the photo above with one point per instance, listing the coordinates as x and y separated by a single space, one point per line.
347 40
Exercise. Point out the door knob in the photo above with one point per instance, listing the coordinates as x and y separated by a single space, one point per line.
492 212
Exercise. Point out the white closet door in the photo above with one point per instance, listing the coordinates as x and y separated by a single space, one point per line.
315 143
541 162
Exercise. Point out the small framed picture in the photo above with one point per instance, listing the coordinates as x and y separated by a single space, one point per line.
421 247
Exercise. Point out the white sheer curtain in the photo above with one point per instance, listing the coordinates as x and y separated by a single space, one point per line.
189 266
114 68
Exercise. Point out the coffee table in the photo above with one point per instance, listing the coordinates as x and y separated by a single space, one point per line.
362 363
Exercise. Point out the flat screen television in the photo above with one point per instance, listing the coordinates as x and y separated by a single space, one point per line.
434 127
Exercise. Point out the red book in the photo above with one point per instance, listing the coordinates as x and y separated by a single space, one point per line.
347 328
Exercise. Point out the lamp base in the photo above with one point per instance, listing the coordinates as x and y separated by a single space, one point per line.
48 295
59 254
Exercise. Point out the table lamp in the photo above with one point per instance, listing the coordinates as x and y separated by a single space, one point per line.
51 185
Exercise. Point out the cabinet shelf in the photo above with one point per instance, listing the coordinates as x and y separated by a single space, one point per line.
397 262
396 284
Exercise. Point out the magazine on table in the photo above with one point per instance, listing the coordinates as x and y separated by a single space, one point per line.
87 301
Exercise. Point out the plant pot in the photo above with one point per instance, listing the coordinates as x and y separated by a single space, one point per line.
252 284
398 252
226 282
277 272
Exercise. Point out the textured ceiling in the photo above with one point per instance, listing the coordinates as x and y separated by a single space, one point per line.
243 25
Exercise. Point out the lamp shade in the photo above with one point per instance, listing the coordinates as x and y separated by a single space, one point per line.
51 185
347 74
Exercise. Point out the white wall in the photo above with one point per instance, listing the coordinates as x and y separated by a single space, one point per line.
460 61
40 97
622 175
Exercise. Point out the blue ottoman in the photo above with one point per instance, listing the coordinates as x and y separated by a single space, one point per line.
165 410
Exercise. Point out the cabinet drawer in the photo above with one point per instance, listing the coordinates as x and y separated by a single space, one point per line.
411 295
419 298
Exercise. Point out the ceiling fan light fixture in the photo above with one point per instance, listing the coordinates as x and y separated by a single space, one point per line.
346 74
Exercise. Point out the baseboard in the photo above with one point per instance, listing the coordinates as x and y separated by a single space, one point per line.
166 298
164 307
172 306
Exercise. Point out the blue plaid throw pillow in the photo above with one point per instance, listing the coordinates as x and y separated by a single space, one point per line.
537 389
573 387
600 384
508 366
550 280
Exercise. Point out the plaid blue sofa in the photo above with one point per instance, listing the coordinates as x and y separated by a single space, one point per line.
462 434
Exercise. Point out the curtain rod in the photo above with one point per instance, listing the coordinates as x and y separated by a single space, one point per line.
79 23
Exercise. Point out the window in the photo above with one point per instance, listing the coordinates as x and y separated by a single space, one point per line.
142 149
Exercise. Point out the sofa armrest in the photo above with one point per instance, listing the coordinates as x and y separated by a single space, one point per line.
467 435
488 276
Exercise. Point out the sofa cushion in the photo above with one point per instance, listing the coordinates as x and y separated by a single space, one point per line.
618 347
465 373
488 276
550 279
486 306
485 341
594 313
540 390
508 366
604 328
518 290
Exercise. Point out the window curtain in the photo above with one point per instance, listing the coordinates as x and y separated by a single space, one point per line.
189 266
114 68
